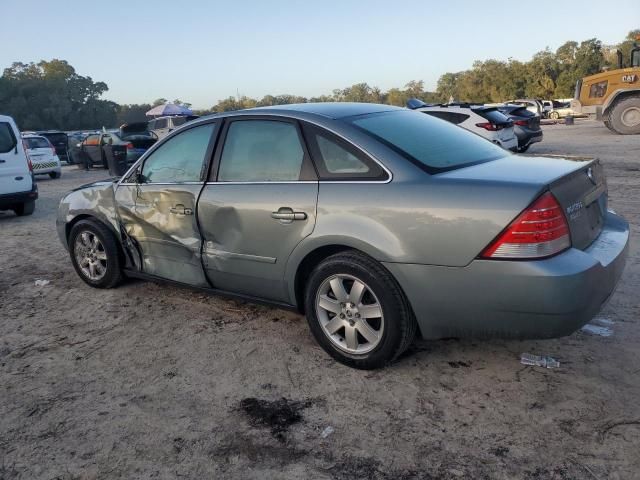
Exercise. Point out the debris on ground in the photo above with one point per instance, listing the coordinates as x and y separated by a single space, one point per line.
538 361
42 283
597 330
278 415
327 431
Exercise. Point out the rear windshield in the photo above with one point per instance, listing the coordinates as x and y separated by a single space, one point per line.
56 137
430 143
37 143
493 115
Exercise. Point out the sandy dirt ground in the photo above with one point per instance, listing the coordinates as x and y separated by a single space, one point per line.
151 381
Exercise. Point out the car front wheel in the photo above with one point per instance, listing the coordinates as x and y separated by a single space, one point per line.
94 254
357 311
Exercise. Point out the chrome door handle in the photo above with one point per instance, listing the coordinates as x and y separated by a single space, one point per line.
287 215
181 210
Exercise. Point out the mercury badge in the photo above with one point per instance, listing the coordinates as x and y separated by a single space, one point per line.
590 175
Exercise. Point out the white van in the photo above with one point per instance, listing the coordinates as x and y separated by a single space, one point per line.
18 190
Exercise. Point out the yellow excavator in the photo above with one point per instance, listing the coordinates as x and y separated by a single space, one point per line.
613 96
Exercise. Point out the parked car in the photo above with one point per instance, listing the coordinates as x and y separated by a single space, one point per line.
526 125
60 141
560 110
42 154
487 122
532 104
375 221
18 190
162 126
134 137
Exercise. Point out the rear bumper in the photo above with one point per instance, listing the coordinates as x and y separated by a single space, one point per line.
517 299
7 201
510 144
527 137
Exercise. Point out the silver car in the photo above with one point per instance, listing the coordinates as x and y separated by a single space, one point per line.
377 222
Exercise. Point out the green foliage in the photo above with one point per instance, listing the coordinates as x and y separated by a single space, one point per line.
51 95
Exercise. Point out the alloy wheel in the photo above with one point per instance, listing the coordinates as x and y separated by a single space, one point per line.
350 314
90 255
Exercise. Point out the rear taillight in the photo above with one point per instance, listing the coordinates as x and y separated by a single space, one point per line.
522 123
30 164
130 146
492 127
540 231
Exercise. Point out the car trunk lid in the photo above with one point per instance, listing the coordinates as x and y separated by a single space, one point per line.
583 197
578 183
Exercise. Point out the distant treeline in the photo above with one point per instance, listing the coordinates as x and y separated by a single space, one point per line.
51 95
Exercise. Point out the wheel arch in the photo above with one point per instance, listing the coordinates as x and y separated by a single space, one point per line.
619 95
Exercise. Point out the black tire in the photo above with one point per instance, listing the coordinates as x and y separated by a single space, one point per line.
54 175
113 274
622 107
24 209
523 149
399 322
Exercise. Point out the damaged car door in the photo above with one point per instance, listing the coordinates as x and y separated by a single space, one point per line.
259 204
157 207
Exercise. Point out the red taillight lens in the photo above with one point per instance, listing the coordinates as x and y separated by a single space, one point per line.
540 231
522 123
492 127
130 146
30 164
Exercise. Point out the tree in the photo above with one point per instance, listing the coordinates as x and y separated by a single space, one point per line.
51 94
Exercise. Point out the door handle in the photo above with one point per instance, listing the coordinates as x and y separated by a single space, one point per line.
181 210
287 215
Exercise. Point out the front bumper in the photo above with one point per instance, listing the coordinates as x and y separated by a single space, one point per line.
517 299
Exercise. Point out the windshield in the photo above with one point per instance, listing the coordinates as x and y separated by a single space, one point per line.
433 144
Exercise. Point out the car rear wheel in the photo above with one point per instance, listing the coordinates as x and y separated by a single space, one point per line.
54 174
554 115
24 209
357 311
523 149
95 254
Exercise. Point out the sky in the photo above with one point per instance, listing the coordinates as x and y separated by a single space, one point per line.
203 51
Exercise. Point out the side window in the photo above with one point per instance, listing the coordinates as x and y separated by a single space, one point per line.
336 159
161 123
92 140
598 90
177 121
151 125
261 151
181 158
457 118
8 139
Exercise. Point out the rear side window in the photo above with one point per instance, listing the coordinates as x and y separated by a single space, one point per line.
179 121
433 145
37 143
261 151
161 123
336 159
7 138
598 90
181 158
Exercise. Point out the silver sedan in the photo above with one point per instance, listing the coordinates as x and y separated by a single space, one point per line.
375 221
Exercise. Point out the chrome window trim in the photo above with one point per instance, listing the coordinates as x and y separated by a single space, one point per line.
160 183
319 125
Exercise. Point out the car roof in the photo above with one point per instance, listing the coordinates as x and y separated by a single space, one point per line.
332 110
